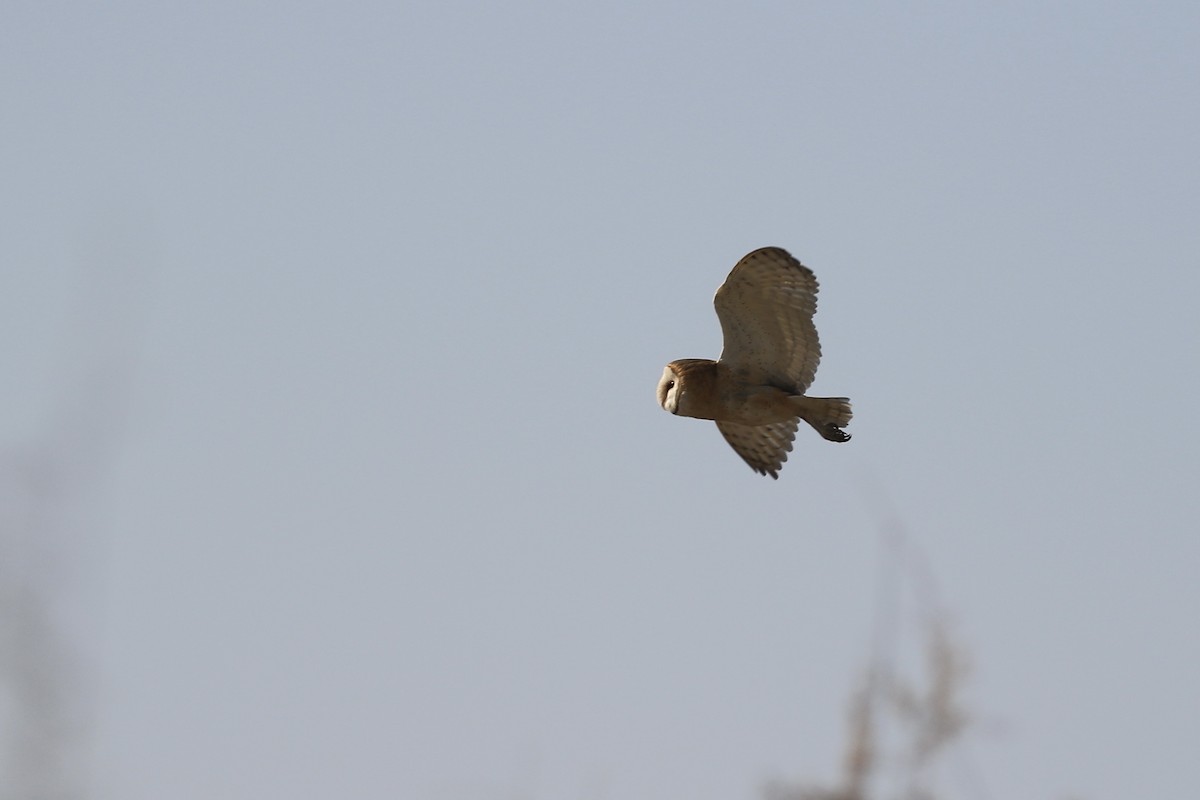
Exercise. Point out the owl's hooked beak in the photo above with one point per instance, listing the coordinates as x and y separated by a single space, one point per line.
671 400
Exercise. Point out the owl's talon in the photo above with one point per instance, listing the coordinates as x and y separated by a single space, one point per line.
835 434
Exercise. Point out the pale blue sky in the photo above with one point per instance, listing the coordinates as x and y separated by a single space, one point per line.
391 510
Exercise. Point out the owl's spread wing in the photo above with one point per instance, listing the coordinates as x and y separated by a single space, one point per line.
763 447
766 308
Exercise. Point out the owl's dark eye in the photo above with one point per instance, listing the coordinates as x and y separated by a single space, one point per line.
670 385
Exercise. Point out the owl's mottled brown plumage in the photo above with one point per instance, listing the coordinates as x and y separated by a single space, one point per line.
755 391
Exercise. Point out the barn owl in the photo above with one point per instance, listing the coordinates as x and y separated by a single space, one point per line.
755 391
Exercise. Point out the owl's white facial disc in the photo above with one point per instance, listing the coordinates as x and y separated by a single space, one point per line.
668 391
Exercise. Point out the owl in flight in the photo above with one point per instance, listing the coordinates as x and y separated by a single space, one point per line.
755 391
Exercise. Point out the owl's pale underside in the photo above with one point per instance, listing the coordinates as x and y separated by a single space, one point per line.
755 391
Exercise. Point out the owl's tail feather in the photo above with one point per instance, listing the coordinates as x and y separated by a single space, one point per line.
828 415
